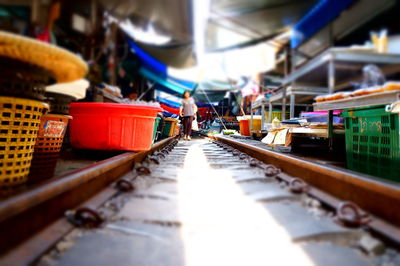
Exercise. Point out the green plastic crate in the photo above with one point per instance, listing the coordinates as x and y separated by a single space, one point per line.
372 142
156 123
169 127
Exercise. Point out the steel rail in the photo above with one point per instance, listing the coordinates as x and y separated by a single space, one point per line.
332 185
27 213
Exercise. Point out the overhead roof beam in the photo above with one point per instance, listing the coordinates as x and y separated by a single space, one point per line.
246 44
242 11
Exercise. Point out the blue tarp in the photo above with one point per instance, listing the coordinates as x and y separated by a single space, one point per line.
168 114
174 104
158 72
162 88
167 85
321 15
148 61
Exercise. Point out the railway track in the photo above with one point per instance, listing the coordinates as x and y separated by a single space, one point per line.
201 196
33 221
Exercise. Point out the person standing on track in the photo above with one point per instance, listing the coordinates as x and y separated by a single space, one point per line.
187 111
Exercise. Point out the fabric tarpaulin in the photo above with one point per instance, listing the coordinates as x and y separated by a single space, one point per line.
161 28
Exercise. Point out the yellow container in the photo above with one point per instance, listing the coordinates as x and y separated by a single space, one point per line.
173 126
177 129
276 114
256 121
20 119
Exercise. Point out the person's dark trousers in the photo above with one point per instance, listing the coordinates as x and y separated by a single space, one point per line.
187 125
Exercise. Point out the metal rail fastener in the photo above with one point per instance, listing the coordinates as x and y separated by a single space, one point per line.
124 185
297 185
143 170
349 214
271 170
154 159
84 217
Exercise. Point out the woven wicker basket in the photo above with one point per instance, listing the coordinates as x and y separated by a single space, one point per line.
62 64
22 80
19 126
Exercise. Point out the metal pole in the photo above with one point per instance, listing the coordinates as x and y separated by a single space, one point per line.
270 112
251 116
151 86
331 87
113 55
292 104
284 103
93 14
331 76
93 23
35 10
263 126
293 68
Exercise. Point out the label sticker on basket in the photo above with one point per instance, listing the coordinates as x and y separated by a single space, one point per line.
54 129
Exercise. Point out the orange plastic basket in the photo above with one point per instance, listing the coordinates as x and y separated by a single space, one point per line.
48 146
19 126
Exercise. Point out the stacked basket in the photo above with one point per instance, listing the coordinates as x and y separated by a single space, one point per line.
20 120
26 67
21 108
48 146
53 127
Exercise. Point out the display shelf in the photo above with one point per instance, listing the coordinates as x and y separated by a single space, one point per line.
335 69
313 132
360 101
347 64
303 94
258 104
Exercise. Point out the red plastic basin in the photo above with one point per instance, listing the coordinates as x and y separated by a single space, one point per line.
109 126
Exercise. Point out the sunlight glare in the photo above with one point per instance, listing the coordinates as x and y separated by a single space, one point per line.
223 226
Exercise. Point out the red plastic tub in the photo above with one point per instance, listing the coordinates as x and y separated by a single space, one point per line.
109 126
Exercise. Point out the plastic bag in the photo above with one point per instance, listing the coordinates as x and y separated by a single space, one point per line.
373 76
195 125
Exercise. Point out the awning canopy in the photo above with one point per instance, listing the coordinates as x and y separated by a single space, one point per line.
237 23
165 84
162 28
162 34
210 96
166 29
316 19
